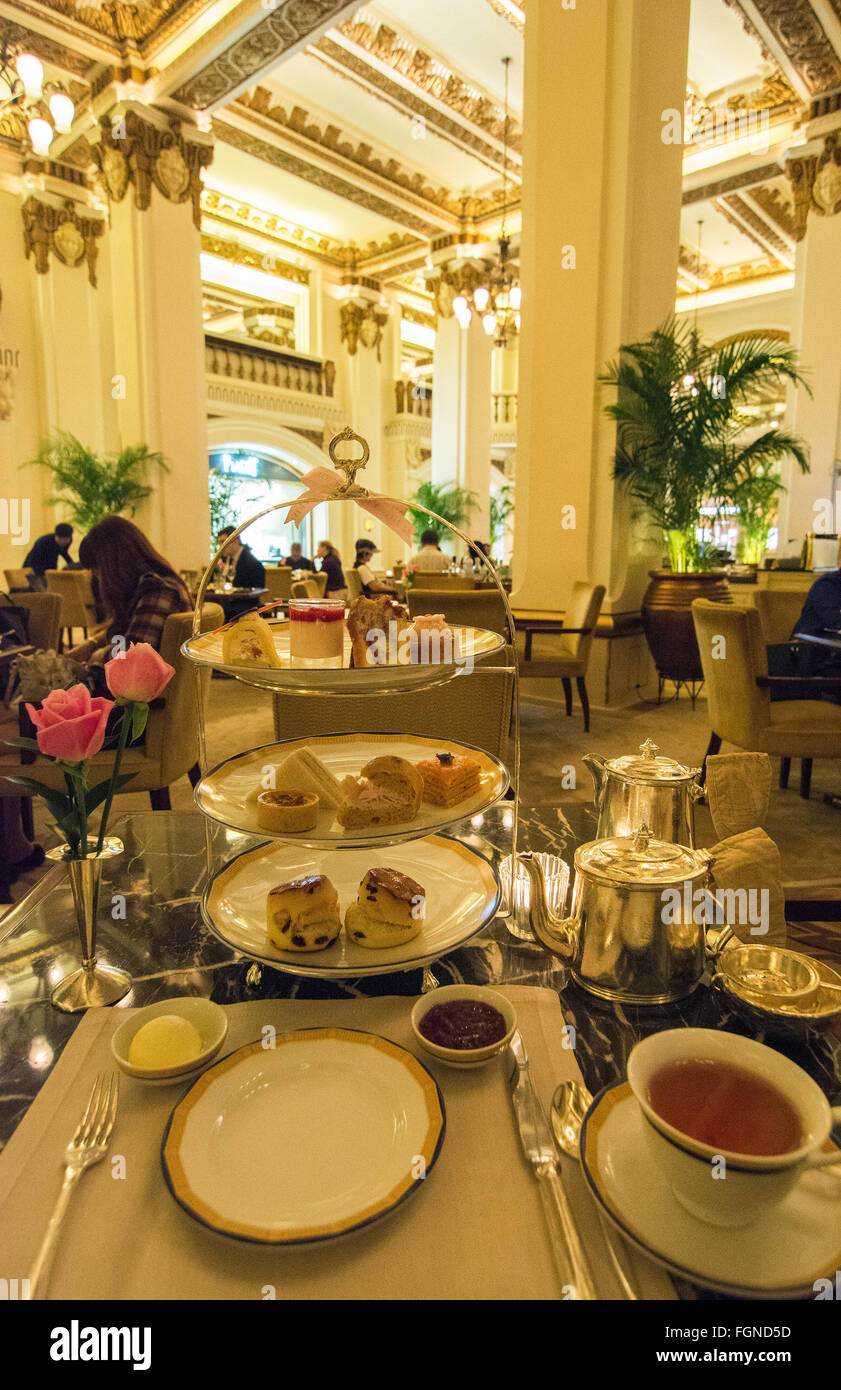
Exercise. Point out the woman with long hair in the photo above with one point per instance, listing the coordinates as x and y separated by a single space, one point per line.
331 565
136 586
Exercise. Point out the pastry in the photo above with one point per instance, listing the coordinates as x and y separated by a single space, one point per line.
449 778
302 771
388 911
248 642
433 640
389 790
375 625
282 811
303 915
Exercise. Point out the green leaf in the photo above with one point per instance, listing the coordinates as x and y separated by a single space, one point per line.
97 795
57 801
30 744
139 716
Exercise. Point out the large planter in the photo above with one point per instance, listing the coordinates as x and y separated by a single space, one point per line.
667 619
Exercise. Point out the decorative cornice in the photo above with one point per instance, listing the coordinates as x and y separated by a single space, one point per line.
506 12
135 151
746 272
47 49
740 214
816 183
405 101
733 182
329 140
412 315
258 260
430 76
235 213
775 207
797 31
362 323
69 234
289 22
115 20
322 178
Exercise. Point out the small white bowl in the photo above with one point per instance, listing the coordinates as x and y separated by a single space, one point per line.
209 1019
464 1057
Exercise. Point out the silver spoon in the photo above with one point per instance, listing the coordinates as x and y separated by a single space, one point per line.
570 1104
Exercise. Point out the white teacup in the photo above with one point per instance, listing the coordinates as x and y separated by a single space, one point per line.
745 1186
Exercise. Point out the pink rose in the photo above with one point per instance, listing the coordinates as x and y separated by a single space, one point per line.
70 724
139 674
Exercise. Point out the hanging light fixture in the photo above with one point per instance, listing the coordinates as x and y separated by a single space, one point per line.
44 108
499 302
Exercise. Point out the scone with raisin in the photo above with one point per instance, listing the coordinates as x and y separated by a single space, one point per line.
303 915
389 910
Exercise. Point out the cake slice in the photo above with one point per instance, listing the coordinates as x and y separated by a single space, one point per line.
449 778
375 625
249 642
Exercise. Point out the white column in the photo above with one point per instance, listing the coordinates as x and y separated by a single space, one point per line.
461 414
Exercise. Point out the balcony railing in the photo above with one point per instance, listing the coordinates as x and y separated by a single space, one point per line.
505 408
413 398
266 367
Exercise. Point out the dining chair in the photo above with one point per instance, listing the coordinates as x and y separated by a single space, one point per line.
475 709
305 588
278 581
738 689
354 585
778 611
78 607
567 655
43 627
171 745
321 580
479 608
18 579
451 582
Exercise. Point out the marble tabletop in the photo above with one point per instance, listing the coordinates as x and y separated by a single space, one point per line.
150 923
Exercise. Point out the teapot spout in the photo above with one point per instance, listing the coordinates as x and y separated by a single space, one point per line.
596 764
557 934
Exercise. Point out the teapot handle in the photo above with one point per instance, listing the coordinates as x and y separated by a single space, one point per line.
715 940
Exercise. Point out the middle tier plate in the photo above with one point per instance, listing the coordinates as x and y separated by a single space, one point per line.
229 792
462 894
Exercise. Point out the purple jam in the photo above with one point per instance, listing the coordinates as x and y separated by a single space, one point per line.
463 1024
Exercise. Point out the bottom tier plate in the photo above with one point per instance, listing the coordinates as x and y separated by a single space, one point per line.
462 894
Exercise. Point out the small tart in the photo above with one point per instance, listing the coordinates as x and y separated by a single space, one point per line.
287 810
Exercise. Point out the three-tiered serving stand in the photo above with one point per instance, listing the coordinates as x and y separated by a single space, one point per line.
462 890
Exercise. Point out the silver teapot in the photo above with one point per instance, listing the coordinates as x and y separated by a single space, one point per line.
637 926
645 789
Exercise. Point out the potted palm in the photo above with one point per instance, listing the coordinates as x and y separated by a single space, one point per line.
91 486
682 441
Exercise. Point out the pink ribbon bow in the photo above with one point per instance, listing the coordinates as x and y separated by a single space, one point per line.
322 485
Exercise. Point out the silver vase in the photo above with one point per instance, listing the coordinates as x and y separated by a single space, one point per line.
95 984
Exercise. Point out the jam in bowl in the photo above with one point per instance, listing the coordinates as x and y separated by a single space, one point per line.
464 1025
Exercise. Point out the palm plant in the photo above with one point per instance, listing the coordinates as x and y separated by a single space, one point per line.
91 486
502 505
448 500
756 499
681 422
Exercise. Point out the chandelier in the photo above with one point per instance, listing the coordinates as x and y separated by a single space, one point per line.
44 107
498 297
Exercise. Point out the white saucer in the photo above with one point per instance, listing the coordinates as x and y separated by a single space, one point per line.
779 1256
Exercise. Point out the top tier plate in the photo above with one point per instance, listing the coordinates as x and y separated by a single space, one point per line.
470 643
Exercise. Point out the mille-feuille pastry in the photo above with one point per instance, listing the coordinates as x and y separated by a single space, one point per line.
449 778
389 910
248 642
375 625
287 811
388 791
302 771
303 915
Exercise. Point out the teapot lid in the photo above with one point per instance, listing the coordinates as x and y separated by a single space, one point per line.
640 859
650 766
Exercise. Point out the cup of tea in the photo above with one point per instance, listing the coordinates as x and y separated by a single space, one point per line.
730 1123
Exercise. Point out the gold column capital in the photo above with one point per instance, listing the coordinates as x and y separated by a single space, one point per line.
815 178
62 229
132 149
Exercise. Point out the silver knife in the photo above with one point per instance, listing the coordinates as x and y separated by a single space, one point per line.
539 1148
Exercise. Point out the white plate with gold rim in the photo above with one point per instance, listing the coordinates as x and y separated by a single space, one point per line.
469 644
462 894
314 1137
229 792
782 1255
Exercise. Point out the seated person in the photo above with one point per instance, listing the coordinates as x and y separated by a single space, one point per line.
331 565
136 585
246 570
297 560
820 616
371 585
46 553
430 559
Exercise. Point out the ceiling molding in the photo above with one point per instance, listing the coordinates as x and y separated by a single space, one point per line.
506 10
259 260
354 192
750 223
793 37
49 50
297 127
749 179
412 105
431 75
285 30
116 21
775 208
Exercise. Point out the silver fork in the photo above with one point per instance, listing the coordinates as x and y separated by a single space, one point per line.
88 1145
